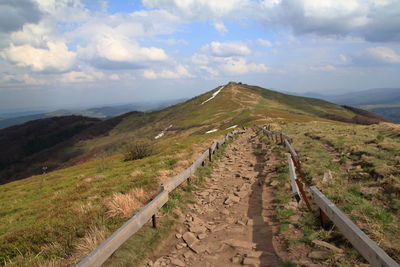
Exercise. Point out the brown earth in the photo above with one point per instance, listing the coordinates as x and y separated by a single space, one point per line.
231 221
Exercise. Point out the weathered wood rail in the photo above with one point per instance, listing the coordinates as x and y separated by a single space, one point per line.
367 247
98 256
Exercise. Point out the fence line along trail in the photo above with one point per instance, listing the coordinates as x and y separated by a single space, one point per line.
230 222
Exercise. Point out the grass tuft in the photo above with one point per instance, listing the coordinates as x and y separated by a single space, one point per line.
122 205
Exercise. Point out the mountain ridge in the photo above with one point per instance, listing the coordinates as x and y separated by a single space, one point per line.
233 104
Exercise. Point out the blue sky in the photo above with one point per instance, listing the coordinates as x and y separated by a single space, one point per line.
69 53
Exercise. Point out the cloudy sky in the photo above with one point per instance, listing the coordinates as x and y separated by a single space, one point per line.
69 53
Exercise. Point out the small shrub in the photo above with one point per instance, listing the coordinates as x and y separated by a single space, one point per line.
138 149
258 152
380 137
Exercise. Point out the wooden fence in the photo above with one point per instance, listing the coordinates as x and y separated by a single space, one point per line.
367 247
98 256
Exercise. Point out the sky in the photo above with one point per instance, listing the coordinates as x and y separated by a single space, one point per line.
75 53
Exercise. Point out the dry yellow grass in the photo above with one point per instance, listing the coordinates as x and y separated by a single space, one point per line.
125 205
139 194
164 175
136 173
391 129
121 205
93 237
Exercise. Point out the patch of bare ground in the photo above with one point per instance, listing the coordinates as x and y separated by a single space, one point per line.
231 221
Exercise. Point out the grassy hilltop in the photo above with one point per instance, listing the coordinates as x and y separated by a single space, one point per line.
52 216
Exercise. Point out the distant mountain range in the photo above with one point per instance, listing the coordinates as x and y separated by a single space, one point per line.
10 119
382 101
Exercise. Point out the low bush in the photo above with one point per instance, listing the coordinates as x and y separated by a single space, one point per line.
138 149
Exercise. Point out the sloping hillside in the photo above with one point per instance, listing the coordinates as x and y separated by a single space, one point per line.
48 216
235 104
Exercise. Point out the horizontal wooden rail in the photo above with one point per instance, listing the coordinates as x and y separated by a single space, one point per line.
368 248
98 256
292 151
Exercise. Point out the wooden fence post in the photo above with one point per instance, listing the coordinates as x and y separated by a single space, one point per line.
209 154
323 219
303 195
154 221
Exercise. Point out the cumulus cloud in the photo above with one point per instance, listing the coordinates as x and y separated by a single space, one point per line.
373 20
220 27
227 49
81 76
64 10
202 9
239 66
111 41
214 64
179 73
14 14
55 57
111 50
375 56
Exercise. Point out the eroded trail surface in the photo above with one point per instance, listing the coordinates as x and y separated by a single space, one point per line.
230 222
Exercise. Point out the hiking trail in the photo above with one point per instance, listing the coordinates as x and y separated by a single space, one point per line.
230 222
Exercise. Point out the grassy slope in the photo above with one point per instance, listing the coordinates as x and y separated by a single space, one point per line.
365 184
45 216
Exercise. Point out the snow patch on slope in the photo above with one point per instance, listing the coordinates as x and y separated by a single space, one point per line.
232 127
214 95
162 133
212 131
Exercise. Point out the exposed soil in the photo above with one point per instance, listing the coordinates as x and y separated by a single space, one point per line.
231 222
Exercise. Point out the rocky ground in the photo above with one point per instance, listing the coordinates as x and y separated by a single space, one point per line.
231 221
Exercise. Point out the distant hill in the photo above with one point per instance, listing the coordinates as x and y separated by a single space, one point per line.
11 119
62 141
382 101
367 97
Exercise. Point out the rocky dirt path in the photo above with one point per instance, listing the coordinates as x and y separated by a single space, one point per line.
230 222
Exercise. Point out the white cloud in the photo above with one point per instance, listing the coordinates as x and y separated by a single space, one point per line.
264 42
371 19
220 27
239 66
202 9
54 58
112 41
64 10
24 78
327 67
227 49
34 34
80 76
375 56
114 77
111 50
179 73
